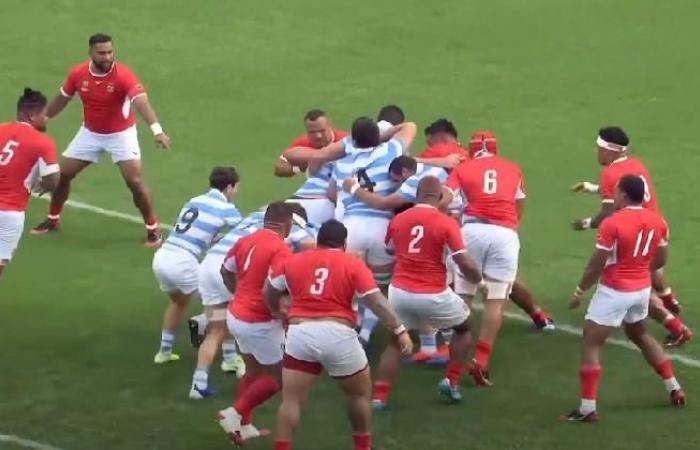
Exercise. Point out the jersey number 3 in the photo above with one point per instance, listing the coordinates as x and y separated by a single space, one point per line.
8 152
321 275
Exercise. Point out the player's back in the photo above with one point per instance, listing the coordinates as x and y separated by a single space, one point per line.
420 237
371 165
627 165
491 186
633 234
22 150
254 255
200 220
324 282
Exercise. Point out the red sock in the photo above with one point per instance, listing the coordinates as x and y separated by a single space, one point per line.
151 223
539 316
243 385
483 351
259 391
590 379
55 211
283 445
382 390
362 441
674 325
665 369
454 372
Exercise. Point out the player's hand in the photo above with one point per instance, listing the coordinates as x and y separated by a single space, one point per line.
585 186
163 141
576 299
349 183
483 289
453 160
581 224
405 343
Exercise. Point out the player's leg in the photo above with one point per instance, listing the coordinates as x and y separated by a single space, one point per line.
521 296
679 333
387 373
296 385
11 227
664 291
217 331
358 388
173 317
132 172
70 168
427 337
448 311
380 263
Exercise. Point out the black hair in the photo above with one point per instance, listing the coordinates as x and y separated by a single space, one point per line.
278 212
298 210
633 187
314 114
392 114
404 207
441 126
403 162
365 133
615 135
332 234
31 100
99 38
223 177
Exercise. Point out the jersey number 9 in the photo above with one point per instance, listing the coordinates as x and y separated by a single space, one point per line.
184 223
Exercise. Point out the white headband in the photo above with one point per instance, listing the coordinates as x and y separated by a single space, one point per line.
602 143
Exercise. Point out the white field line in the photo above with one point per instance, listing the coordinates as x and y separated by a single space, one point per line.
570 329
26 443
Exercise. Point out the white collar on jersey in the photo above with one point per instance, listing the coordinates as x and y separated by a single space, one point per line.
25 123
114 64
424 205
634 207
218 194
620 159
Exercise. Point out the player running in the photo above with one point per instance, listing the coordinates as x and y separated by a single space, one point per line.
612 144
176 263
313 195
28 162
324 286
494 194
108 89
419 292
210 328
631 242
259 334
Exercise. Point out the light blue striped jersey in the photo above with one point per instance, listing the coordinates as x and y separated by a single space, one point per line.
316 185
372 167
255 221
201 219
409 188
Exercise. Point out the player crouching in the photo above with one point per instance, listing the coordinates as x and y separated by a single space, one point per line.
323 284
630 243
419 293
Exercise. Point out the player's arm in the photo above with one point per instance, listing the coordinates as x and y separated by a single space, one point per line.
404 132
379 305
284 169
455 243
591 274
606 209
273 292
660 258
446 162
352 186
49 183
520 208
301 156
49 170
145 110
58 104
228 272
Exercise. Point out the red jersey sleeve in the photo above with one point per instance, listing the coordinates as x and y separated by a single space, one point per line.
607 187
48 158
70 86
453 181
130 82
301 141
277 263
520 193
607 235
665 234
363 280
455 241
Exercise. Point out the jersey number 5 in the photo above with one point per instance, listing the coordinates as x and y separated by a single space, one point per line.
186 220
417 233
321 275
8 151
490 183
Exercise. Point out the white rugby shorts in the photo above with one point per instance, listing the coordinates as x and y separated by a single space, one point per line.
263 340
612 308
211 285
11 228
89 146
366 238
325 345
318 210
443 310
176 269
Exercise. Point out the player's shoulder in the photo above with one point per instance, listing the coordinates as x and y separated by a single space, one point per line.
81 68
339 134
300 141
121 68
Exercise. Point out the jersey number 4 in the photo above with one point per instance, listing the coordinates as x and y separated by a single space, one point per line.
319 285
8 152
184 223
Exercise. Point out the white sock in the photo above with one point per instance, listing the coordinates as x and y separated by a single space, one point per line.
587 406
369 321
447 336
672 384
229 349
167 339
428 343
201 378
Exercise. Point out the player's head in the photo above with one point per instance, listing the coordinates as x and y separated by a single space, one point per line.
392 114
101 51
629 192
365 133
429 191
332 234
402 168
299 216
612 144
318 128
224 179
482 143
31 108
442 131
278 217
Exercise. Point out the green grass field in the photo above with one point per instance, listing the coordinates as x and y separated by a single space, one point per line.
80 311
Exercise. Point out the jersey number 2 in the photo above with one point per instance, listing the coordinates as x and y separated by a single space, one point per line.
321 275
638 245
8 151
417 233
